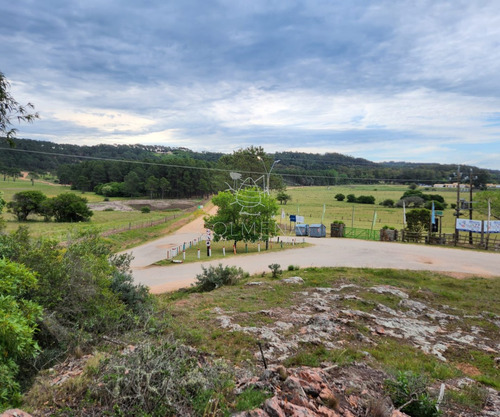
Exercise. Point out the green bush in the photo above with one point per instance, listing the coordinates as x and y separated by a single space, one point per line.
135 296
216 276
409 389
351 198
365 199
145 209
339 197
26 203
437 205
80 287
387 203
293 267
18 319
68 207
275 270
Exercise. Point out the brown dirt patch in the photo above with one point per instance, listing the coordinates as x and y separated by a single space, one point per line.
468 369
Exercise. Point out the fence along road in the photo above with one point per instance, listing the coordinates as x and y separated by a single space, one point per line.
327 252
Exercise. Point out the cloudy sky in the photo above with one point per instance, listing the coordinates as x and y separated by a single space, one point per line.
383 80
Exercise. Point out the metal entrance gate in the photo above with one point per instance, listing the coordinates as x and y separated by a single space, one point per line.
366 234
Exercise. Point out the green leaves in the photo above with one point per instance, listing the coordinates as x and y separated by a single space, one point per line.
26 203
11 110
18 319
247 214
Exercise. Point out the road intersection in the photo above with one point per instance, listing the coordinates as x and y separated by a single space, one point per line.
324 252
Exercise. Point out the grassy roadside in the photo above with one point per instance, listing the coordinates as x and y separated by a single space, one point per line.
222 250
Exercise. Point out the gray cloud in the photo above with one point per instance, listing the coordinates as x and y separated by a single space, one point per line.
371 79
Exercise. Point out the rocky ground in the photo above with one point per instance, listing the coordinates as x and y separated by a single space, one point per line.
342 319
319 317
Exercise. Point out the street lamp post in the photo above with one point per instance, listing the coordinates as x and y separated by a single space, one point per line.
268 173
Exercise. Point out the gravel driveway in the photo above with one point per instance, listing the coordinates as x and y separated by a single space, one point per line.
325 252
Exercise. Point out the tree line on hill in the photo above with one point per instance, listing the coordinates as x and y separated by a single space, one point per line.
159 171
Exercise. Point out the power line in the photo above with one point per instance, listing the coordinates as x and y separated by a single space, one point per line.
283 174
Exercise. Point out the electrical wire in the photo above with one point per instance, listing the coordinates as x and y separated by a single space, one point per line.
277 172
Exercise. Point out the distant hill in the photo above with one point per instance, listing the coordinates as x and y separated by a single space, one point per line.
297 168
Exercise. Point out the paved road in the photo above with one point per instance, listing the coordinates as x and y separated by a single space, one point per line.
332 252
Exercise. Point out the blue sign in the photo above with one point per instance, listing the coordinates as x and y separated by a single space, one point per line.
293 218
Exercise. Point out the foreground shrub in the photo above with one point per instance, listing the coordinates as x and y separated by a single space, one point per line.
84 291
18 318
409 392
135 296
216 276
169 379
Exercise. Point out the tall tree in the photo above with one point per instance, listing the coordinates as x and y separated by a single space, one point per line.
68 207
251 162
246 215
164 186
132 184
152 185
25 203
481 203
11 110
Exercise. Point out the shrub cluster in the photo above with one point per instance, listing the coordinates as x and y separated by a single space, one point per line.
159 380
66 207
362 199
216 276
83 290
416 198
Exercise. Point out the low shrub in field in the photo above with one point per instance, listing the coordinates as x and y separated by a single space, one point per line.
339 197
387 203
409 392
365 199
275 270
167 379
145 209
216 276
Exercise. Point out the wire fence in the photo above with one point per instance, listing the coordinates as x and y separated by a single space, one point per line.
485 241
144 224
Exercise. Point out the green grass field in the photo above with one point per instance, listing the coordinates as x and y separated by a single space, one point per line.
103 220
308 202
9 188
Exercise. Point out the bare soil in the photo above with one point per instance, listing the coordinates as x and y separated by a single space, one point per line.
155 205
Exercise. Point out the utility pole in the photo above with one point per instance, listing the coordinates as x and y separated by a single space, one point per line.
470 205
457 208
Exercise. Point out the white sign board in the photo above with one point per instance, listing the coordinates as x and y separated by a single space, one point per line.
494 226
466 225
299 219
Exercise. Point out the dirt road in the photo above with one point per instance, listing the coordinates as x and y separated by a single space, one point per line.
328 252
